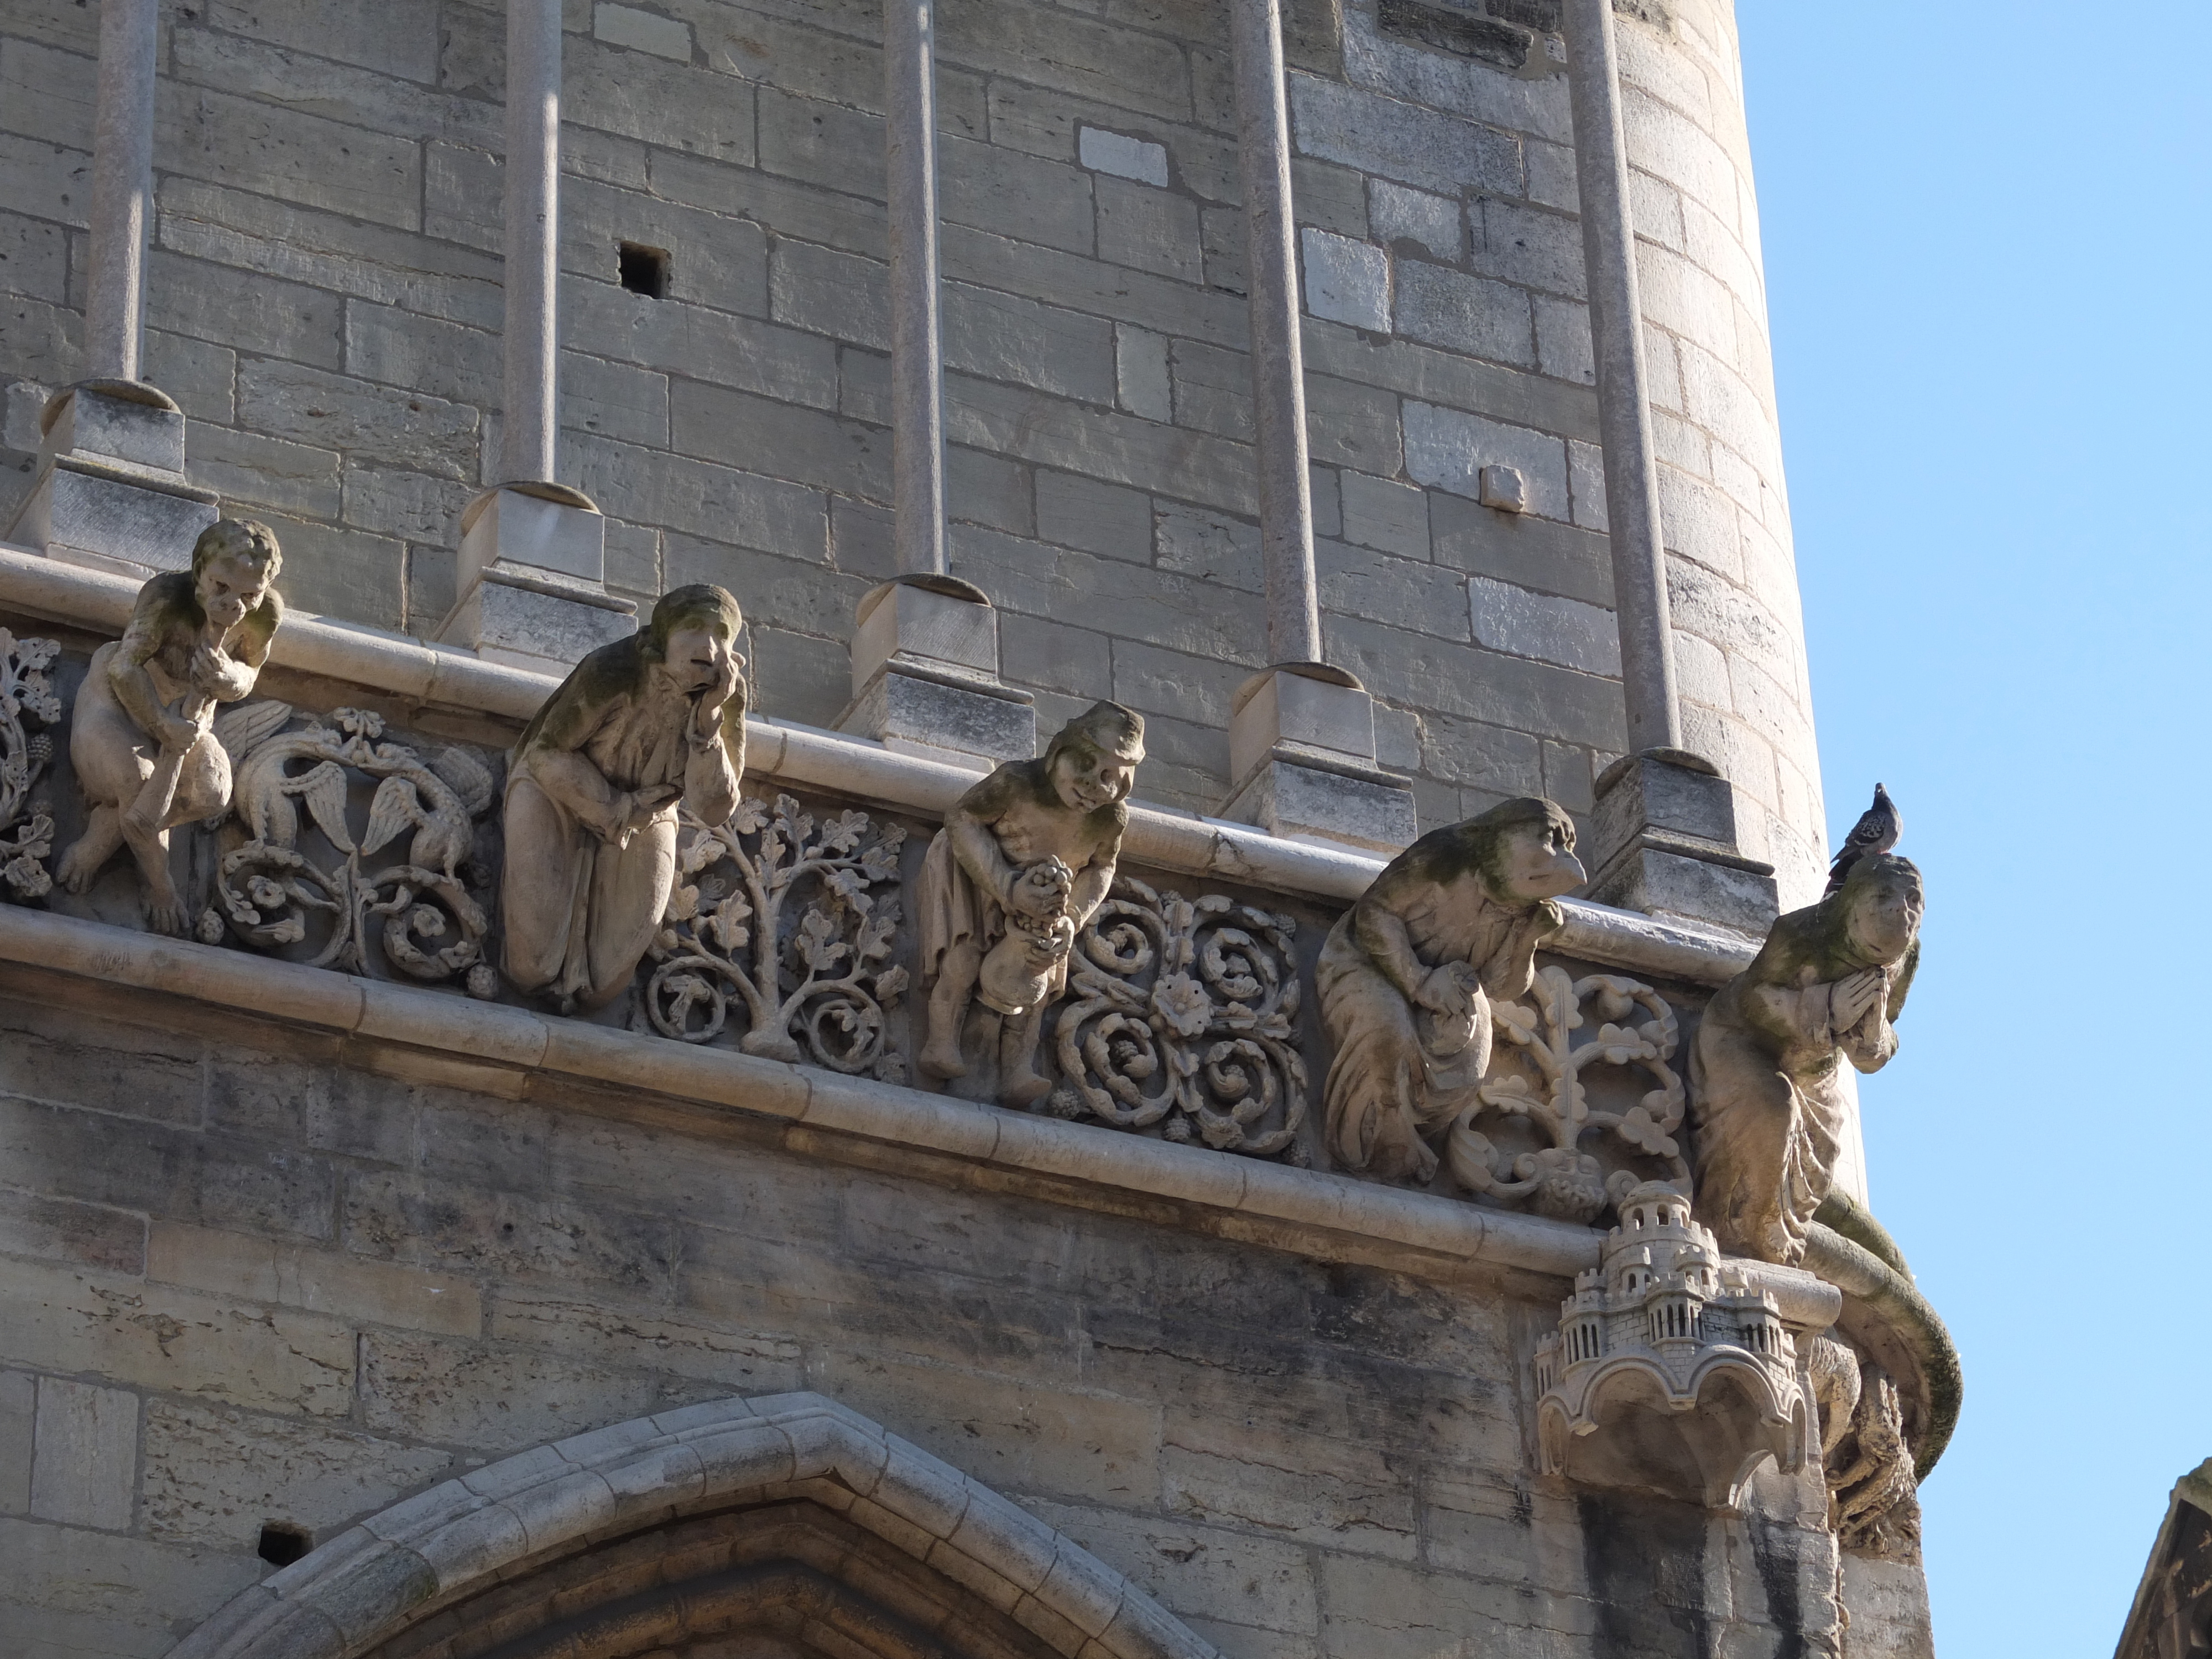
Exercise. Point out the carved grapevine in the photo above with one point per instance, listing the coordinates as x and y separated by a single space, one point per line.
1184 1014
1536 1081
27 828
424 920
814 985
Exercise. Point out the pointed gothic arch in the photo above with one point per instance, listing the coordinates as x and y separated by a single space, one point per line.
787 1520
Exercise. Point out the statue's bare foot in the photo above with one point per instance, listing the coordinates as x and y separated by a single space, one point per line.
1024 1089
77 870
942 1061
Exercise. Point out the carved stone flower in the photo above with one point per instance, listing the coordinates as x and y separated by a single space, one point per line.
265 893
27 877
1181 1004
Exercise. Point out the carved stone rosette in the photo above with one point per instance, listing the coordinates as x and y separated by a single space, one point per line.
813 986
1183 1013
1535 1090
423 919
26 829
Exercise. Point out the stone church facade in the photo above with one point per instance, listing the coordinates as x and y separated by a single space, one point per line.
1239 387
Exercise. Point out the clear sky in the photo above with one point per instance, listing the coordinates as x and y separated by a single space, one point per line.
1989 259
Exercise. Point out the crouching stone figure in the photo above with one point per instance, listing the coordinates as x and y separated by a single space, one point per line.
1766 1087
1408 975
592 788
1025 860
142 735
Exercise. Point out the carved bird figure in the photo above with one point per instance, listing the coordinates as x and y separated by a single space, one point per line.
1876 831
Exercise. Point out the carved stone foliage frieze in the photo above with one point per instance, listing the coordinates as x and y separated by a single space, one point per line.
1580 1103
1184 1014
423 917
787 920
28 706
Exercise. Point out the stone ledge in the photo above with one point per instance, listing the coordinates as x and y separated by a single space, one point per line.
1158 838
1307 1211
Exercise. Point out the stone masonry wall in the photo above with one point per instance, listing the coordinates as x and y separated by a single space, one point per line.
240 1284
324 303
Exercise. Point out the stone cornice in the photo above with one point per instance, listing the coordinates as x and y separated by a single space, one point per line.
1309 1212
429 677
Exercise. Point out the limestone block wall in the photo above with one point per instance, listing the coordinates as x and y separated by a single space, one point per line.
243 1283
324 303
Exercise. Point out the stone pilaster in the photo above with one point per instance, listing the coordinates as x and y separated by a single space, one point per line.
926 675
532 580
1302 754
1663 841
111 491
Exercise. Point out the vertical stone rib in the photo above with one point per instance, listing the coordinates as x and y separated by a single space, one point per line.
533 235
917 328
1631 470
122 188
1278 398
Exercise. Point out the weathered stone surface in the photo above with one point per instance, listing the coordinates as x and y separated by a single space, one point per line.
215 1477
84 1455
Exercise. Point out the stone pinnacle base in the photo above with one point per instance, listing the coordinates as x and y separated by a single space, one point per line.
926 676
1302 749
1301 801
1663 841
532 565
111 491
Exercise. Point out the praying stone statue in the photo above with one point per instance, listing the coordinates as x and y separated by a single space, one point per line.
142 735
1025 860
1408 975
592 788
1766 1096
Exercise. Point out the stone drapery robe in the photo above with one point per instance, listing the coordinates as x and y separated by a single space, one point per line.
581 914
1401 1074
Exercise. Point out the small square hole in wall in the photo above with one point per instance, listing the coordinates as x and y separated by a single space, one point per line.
644 269
283 1543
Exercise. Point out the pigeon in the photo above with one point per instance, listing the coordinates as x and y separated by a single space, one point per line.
1876 831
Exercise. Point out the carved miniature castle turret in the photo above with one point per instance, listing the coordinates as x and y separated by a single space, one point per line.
1661 1329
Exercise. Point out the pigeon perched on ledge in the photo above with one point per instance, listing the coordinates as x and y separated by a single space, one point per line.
1876 831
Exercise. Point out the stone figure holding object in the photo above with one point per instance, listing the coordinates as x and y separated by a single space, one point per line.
143 737
592 787
1408 975
1766 1094
1024 861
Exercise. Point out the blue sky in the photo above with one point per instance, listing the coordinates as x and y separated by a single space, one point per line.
1988 267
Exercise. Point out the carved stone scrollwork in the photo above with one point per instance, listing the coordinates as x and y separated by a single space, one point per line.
425 922
1535 1090
814 987
1184 1014
26 829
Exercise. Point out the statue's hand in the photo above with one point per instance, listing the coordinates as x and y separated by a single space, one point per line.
1441 991
176 732
1852 995
1040 890
210 670
707 712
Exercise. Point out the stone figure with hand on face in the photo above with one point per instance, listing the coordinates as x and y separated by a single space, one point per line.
143 738
1767 1086
1409 974
592 788
1023 861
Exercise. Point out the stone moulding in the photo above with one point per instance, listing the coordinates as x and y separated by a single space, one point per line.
500 1048
404 1564
375 667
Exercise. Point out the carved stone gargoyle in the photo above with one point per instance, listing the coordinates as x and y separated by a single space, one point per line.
1024 860
592 792
142 735
1408 975
1766 1094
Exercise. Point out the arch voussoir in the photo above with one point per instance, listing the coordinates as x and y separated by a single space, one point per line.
372 1582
